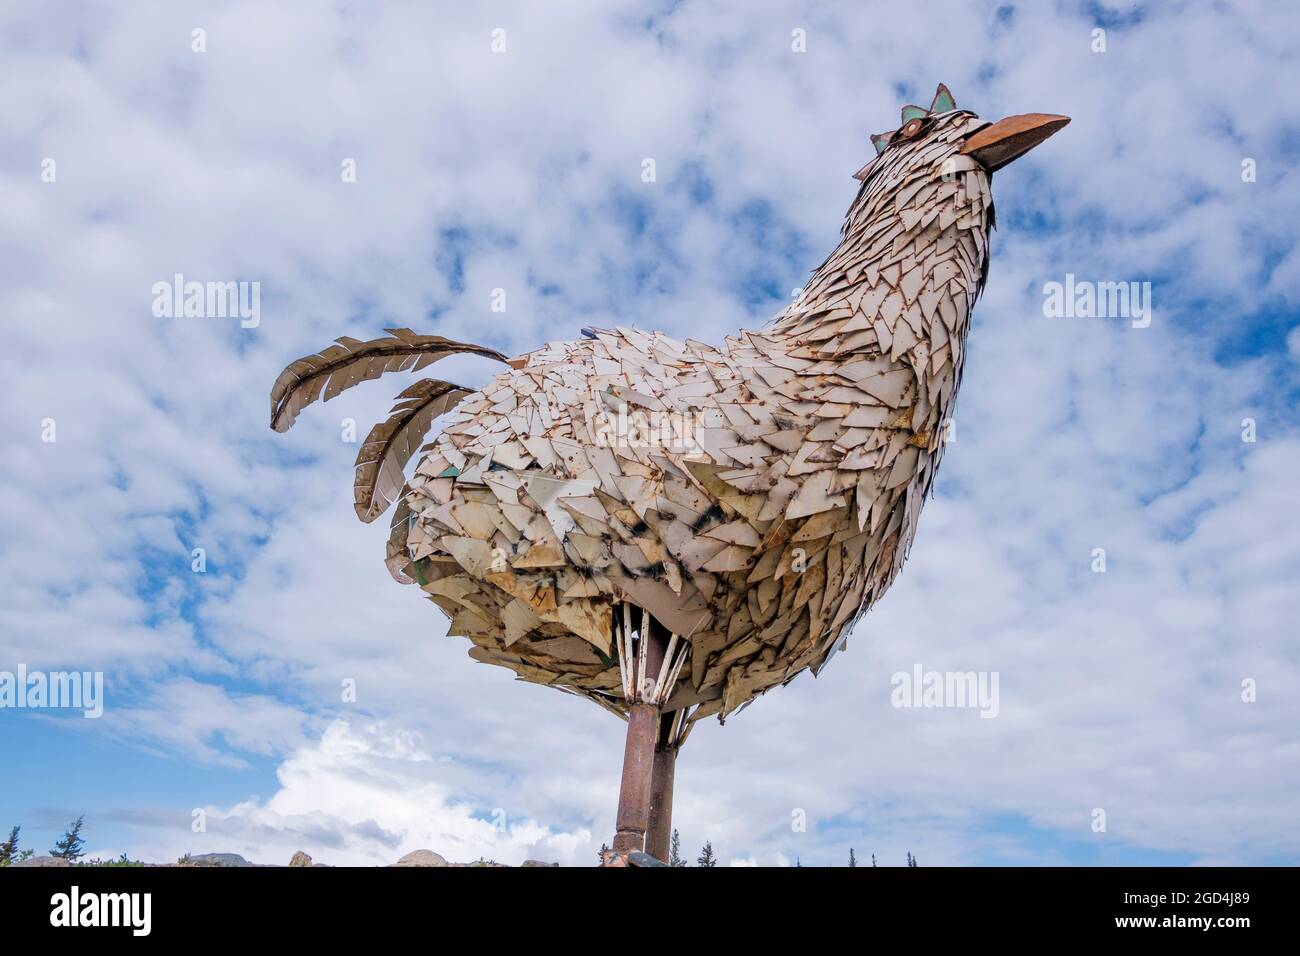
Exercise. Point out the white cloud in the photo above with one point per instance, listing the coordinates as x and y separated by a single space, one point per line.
366 795
207 723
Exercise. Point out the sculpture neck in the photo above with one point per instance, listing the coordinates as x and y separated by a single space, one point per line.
908 261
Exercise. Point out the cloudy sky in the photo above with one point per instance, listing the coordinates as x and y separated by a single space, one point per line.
128 156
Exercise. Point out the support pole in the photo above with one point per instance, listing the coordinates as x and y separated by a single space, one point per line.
634 793
638 768
659 834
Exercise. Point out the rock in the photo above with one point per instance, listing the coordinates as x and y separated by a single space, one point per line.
300 859
421 858
219 859
538 863
641 858
43 861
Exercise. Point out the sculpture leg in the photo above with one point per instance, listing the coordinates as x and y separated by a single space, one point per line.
634 793
659 834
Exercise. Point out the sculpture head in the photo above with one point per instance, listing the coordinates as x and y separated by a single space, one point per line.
992 145
943 141
929 181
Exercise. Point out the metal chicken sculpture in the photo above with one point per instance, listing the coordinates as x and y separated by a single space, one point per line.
670 528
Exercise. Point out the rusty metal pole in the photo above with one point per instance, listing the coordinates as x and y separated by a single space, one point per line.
639 752
659 834
634 793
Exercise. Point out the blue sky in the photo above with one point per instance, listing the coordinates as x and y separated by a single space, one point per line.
522 171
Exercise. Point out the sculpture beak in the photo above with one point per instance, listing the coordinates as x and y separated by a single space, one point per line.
999 143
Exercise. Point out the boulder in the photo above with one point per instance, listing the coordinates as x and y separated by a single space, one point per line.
300 859
641 858
218 859
421 858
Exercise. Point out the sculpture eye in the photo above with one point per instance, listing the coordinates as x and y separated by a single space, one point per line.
911 128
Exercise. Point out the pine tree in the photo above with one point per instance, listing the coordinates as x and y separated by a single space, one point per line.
798 863
853 860
873 859
600 854
675 854
72 845
9 849
706 856
911 860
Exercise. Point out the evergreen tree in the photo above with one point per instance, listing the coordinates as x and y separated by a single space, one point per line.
798 864
600 855
873 859
911 860
72 845
675 854
9 849
706 856
853 860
